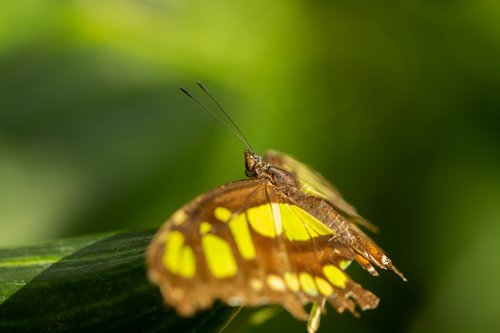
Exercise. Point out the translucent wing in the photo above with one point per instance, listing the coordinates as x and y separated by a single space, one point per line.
247 244
315 184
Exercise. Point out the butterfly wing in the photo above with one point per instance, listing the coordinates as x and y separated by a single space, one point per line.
315 189
247 244
313 183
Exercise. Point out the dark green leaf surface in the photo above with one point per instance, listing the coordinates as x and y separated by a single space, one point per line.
90 284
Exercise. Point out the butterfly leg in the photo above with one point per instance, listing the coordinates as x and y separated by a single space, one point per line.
315 316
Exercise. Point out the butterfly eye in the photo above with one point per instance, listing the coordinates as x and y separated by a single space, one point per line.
250 165
251 162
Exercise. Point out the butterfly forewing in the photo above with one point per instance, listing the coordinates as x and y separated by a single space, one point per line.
315 184
343 215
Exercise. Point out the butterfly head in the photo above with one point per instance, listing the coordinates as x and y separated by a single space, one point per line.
254 164
257 167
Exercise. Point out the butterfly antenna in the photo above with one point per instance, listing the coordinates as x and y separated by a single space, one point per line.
205 90
237 133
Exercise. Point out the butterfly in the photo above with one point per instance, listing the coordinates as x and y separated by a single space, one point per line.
283 236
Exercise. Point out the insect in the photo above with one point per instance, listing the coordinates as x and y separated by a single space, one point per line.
283 236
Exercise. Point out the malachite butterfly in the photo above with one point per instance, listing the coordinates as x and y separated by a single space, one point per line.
283 236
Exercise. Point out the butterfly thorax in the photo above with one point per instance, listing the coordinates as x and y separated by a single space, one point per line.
257 167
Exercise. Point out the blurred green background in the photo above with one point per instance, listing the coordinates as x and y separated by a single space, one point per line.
396 102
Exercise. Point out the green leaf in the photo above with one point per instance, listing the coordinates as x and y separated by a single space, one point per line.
90 284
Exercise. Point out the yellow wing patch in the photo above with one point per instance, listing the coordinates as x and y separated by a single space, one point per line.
343 264
297 223
205 227
275 282
291 281
261 220
314 226
293 226
177 257
307 284
256 284
241 233
222 214
323 286
335 276
188 262
220 259
270 220
179 217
